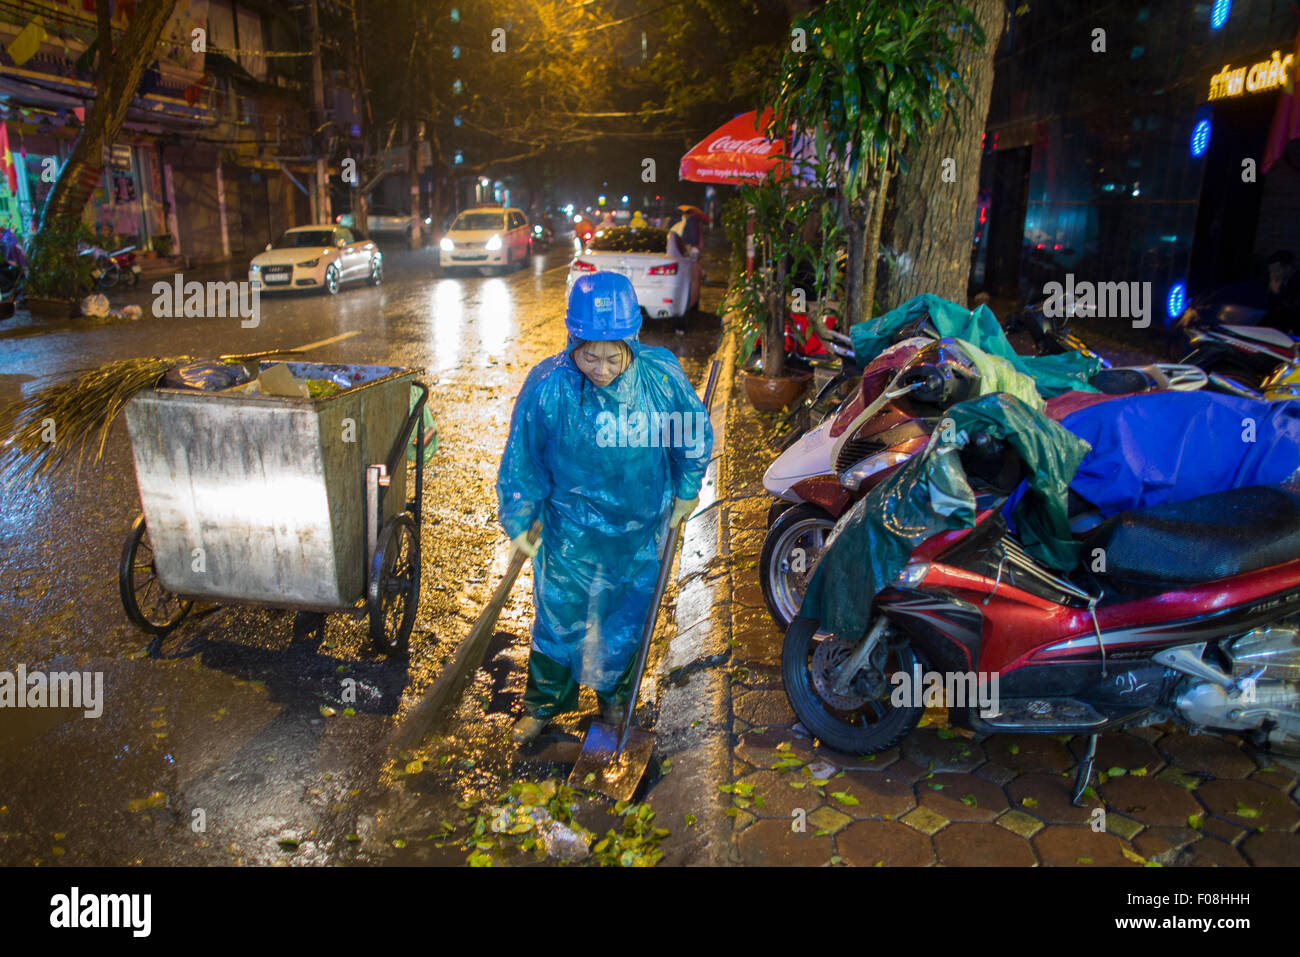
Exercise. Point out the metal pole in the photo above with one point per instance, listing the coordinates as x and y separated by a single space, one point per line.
321 206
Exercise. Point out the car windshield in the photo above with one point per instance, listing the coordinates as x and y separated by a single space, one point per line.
479 221
625 239
307 237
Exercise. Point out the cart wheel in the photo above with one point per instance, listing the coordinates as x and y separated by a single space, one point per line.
150 607
394 584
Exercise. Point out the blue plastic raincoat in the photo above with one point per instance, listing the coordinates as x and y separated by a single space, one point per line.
600 467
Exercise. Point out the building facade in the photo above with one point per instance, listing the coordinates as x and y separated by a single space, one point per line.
1129 142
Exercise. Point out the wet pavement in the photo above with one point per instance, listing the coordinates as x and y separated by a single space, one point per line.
236 738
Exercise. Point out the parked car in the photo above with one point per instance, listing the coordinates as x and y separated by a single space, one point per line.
488 236
661 272
316 257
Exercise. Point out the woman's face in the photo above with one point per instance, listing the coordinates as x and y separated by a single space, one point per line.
601 362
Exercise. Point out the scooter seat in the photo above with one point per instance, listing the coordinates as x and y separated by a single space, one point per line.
1200 539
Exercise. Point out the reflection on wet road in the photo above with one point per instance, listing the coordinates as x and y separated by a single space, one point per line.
248 735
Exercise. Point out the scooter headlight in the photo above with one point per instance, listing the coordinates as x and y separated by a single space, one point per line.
913 574
871 465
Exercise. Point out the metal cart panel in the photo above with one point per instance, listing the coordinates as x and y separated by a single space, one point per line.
267 486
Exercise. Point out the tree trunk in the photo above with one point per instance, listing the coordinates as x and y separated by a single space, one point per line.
855 228
872 247
933 221
118 79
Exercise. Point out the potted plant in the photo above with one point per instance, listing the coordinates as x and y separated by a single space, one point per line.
792 225
58 276
162 245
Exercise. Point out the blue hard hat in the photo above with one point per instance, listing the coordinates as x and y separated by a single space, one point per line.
602 307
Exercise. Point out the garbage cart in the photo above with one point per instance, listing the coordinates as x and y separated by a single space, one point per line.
294 502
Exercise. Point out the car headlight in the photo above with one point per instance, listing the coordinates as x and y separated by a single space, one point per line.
446 245
493 244
310 262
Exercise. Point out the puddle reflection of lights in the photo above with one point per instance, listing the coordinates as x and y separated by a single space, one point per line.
448 317
495 318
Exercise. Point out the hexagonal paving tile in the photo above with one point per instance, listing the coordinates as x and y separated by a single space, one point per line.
888 843
1048 797
925 820
1149 800
1028 752
1272 849
771 843
1207 754
1228 831
1276 776
867 762
827 818
961 797
1166 845
1250 804
1067 845
926 748
779 799
965 844
1207 852
1018 822
878 793
1121 750
762 708
759 748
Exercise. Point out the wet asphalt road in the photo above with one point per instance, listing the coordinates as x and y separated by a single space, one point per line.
228 741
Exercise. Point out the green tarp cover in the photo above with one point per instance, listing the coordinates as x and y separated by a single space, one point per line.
1053 374
930 494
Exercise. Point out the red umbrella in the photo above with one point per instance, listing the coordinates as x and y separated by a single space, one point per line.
735 152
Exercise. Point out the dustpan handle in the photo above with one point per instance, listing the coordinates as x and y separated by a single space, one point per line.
661 582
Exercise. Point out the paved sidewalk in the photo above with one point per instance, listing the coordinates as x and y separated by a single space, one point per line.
764 792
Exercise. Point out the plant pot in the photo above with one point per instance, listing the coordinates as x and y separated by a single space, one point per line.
44 308
774 393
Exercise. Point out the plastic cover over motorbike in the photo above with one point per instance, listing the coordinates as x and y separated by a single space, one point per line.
931 494
998 375
1053 374
1169 446
580 458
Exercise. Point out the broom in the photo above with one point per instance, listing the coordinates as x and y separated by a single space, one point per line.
58 423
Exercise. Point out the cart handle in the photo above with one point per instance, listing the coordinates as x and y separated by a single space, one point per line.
397 457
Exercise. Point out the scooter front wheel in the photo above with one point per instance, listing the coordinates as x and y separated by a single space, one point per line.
860 719
791 548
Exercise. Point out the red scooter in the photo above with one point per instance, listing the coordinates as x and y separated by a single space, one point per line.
1195 619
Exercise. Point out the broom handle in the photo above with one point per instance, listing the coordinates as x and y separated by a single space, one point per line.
661 582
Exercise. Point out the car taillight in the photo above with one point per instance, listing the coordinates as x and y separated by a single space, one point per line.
580 266
669 270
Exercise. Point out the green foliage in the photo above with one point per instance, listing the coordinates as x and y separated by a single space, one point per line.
55 270
637 845
874 76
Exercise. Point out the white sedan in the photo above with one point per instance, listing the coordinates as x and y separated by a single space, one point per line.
316 257
663 275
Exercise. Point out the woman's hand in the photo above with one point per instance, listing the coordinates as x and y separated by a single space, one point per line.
522 543
682 507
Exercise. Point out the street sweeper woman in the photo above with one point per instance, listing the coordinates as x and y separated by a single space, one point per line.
606 494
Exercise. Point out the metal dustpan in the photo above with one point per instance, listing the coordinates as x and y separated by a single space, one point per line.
613 760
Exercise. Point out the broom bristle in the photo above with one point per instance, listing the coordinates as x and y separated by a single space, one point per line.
59 422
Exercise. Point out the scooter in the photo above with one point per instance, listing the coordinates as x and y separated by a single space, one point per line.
1195 619
901 401
113 267
1225 340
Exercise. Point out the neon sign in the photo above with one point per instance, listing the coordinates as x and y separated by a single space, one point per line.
1266 75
